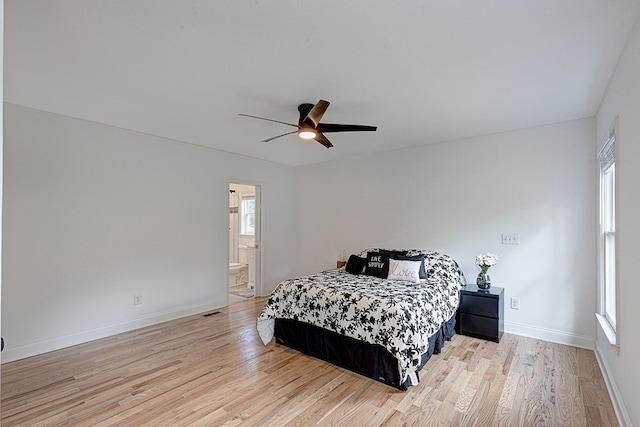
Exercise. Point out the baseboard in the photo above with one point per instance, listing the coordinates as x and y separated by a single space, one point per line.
616 399
11 354
551 335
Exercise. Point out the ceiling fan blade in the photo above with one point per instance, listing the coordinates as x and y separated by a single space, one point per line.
317 112
275 137
269 120
331 127
323 140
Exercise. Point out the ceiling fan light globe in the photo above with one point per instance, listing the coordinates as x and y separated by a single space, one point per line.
307 133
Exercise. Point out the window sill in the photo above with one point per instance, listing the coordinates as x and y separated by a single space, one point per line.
609 332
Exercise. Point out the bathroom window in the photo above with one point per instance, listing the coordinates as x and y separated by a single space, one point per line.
248 215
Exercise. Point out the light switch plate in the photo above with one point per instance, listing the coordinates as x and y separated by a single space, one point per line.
510 239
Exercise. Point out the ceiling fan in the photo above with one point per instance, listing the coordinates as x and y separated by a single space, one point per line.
309 126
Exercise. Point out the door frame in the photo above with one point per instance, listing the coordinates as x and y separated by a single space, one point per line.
258 187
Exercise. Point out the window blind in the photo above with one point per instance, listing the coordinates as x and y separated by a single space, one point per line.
607 154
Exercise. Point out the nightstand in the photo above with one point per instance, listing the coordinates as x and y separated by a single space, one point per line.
481 312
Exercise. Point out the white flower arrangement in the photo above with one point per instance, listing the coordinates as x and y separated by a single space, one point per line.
486 260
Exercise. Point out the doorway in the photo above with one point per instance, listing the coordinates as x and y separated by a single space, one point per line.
244 241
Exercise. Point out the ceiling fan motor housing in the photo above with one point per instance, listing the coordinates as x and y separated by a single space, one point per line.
304 112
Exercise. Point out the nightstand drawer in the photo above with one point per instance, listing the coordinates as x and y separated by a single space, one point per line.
479 305
480 327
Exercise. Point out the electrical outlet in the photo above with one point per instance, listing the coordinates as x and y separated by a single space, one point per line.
515 303
510 239
137 299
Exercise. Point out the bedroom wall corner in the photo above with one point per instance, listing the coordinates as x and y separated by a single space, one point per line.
94 215
622 100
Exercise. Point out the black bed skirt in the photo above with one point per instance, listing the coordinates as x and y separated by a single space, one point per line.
371 360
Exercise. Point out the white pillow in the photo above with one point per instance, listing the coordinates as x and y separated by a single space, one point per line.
404 270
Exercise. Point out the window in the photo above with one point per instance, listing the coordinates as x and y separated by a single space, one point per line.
248 215
609 244
607 239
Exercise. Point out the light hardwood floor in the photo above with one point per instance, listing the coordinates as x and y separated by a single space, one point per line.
213 371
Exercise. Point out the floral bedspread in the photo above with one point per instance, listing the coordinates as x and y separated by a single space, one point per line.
397 315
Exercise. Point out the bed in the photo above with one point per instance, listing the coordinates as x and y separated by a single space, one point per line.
382 316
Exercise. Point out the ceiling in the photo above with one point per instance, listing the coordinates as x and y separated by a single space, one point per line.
423 71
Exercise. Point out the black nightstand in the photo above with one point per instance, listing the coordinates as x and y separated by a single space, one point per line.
481 312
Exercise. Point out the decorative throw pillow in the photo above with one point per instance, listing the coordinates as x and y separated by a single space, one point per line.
421 258
378 264
356 265
404 270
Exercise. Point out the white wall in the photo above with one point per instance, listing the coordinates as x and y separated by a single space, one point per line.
95 214
622 99
1 142
458 198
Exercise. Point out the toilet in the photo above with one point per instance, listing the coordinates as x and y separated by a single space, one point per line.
238 273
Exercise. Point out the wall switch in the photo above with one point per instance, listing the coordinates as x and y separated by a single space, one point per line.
515 303
510 239
137 299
